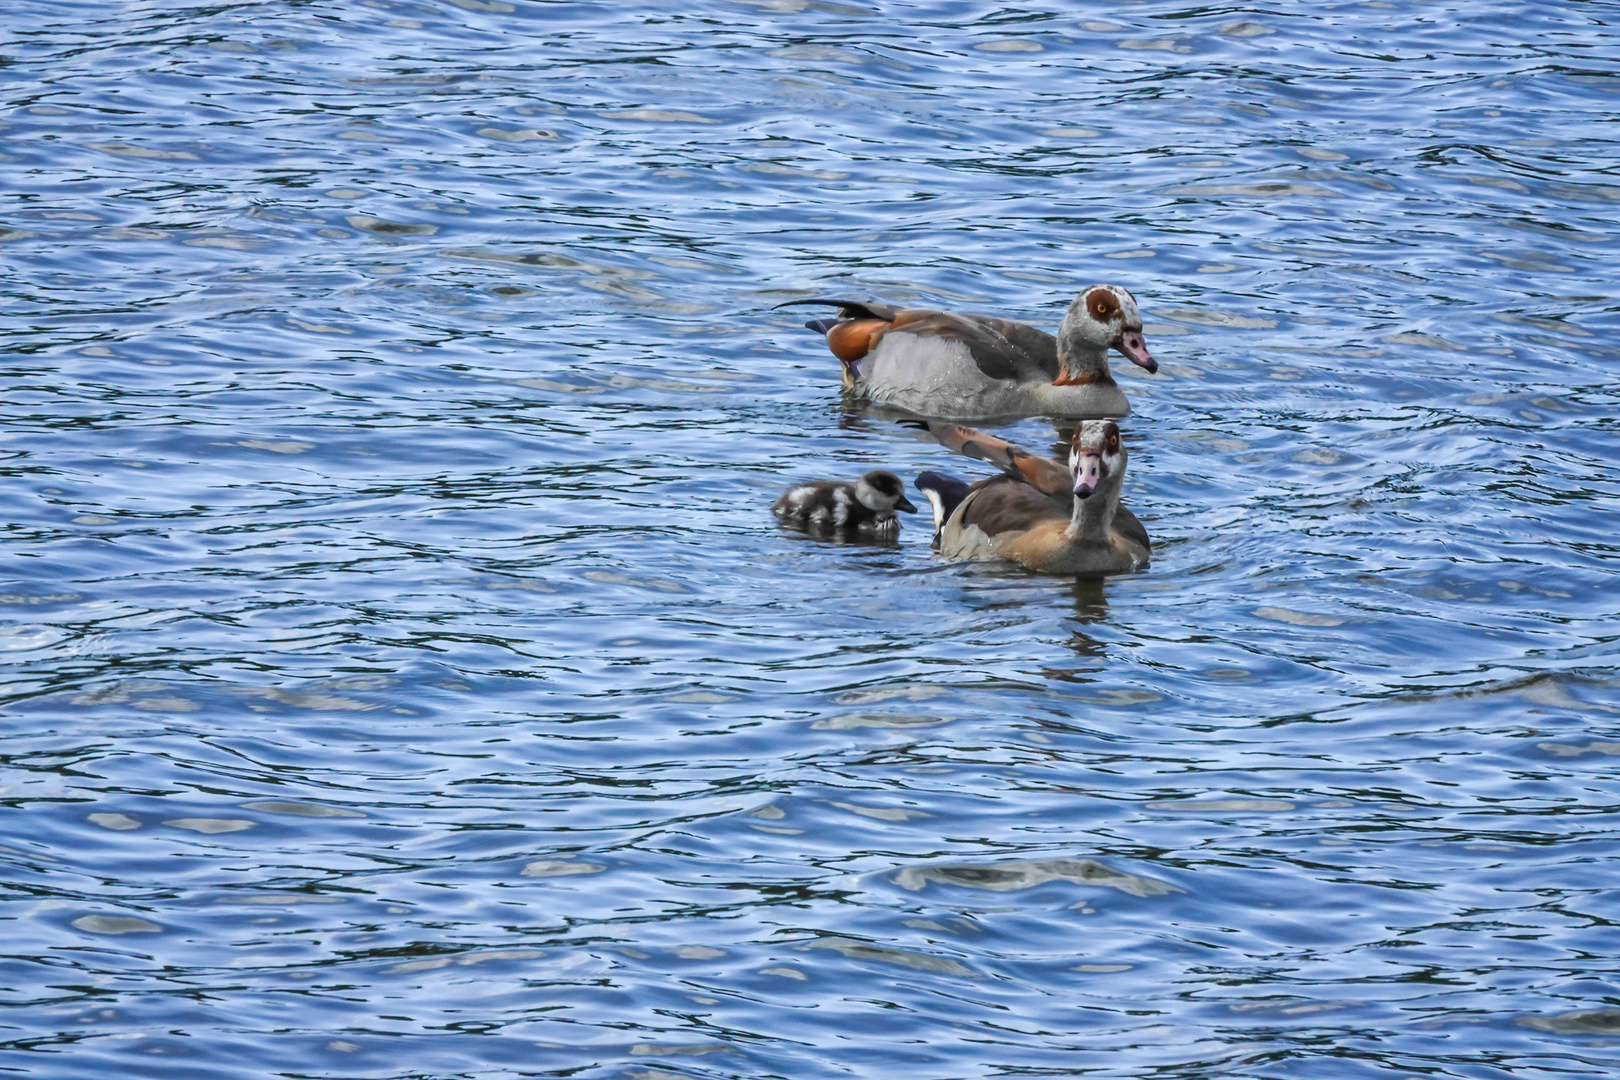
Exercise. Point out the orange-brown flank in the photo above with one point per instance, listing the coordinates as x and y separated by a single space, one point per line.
849 341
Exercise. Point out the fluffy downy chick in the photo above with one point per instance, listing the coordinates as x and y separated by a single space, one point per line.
834 506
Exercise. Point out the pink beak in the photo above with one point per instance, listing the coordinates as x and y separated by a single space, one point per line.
1135 349
1087 474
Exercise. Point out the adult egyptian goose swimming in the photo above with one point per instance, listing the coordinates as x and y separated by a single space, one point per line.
866 507
1052 518
934 363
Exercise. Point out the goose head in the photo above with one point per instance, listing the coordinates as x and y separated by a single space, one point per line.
1096 457
882 492
1102 317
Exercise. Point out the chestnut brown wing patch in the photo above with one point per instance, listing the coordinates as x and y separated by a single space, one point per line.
1044 474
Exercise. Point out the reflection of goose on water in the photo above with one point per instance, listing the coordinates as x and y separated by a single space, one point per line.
935 363
1013 874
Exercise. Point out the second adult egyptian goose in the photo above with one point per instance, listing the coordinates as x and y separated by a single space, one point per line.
938 364
1052 518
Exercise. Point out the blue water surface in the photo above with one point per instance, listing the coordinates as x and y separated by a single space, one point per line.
407 679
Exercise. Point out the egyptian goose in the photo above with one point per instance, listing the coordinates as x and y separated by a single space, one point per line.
1052 518
866 506
933 363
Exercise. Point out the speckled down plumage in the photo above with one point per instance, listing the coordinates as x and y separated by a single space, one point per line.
867 506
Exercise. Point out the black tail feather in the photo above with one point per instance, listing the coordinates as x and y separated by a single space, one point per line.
821 326
849 309
945 493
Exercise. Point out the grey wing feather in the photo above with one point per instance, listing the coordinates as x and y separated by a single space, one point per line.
1001 504
1126 524
1032 351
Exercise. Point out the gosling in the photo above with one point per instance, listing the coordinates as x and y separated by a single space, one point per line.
864 508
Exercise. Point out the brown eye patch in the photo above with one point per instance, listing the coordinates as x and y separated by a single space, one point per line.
1113 441
1102 304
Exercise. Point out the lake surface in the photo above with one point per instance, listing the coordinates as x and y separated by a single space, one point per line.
406 677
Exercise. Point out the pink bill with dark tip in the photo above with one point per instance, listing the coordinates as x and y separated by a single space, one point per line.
1087 474
1135 349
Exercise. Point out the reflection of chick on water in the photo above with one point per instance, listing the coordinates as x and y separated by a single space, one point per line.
1052 518
864 508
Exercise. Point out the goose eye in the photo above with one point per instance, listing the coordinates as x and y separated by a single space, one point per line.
1113 443
1102 309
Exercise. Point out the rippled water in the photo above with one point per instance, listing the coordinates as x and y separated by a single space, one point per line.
408 679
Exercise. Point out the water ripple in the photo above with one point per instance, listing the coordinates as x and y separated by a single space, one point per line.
405 667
